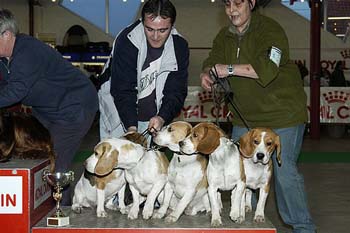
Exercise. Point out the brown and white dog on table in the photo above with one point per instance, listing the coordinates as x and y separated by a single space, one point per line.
186 189
257 147
23 136
100 181
145 171
225 169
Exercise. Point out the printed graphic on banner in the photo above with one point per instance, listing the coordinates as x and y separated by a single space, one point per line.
334 104
42 190
199 106
11 196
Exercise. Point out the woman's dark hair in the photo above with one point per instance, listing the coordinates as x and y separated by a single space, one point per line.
162 8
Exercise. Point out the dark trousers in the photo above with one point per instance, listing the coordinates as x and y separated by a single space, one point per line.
67 138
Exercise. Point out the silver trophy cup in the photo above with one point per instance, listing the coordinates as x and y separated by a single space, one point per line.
58 180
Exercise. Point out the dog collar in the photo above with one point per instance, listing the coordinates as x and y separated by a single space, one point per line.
104 175
194 153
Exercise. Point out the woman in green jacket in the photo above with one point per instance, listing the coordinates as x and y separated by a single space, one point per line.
253 52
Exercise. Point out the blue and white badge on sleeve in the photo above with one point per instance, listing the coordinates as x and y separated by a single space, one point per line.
275 55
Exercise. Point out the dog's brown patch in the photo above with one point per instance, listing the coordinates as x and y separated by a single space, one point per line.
249 140
163 162
126 148
241 167
179 130
206 137
204 163
246 144
137 138
108 160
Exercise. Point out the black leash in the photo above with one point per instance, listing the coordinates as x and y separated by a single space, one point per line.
224 84
146 133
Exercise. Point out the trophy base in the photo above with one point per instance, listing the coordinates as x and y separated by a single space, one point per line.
57 221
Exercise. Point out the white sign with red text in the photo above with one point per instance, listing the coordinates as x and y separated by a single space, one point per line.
11 195
334 104
199 105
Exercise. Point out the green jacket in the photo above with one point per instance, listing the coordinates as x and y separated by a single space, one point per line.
277 99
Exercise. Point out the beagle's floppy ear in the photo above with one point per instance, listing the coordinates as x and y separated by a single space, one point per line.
278 150
210 139
107 161
188 128
246 146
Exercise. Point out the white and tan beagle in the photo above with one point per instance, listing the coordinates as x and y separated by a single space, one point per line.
100 181
146 173
257 147
225 169
186 189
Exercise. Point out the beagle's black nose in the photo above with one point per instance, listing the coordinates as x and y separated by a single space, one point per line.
181 143
260 156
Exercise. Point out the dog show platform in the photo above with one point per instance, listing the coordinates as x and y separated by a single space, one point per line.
24 197
26 202
115 222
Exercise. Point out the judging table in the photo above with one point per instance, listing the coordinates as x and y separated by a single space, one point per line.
24 197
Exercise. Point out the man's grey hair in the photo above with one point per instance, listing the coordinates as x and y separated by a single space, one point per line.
8 22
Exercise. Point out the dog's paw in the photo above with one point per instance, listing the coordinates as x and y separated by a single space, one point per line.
124 210
111 206
235 217
259 218
216 222
191 211
248 209
170 219
101 214
133 214
158 214
147 213
77 209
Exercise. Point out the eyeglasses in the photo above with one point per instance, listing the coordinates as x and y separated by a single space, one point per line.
236 2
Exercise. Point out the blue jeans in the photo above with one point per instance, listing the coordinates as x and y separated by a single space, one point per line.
289 184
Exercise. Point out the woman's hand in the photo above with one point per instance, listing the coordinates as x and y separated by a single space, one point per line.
206 81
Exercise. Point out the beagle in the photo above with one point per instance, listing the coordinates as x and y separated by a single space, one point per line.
146 172
257 147
225 169
100 180
187 183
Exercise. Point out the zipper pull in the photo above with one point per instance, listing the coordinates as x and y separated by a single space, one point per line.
238 49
